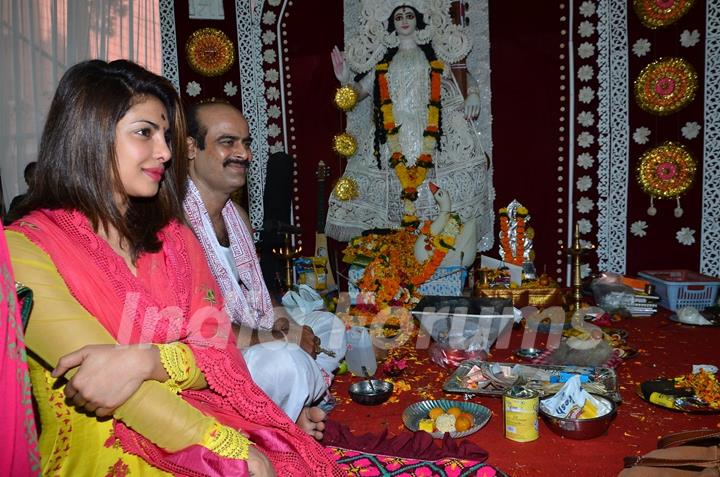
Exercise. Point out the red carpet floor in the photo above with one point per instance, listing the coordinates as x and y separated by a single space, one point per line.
665 348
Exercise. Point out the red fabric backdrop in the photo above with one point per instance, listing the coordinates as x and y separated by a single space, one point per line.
659 249
530 106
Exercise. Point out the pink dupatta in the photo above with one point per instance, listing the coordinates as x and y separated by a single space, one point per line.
19 452
175 298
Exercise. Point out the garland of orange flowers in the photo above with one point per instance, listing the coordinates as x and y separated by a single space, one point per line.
411 177
393 275
517 258
387 280
439 244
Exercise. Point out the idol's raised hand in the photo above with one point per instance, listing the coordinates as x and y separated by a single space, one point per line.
340 67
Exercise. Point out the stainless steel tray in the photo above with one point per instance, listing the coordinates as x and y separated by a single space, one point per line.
600 380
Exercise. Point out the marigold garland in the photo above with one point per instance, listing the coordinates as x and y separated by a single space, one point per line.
387 278
411 178
439 245
393 275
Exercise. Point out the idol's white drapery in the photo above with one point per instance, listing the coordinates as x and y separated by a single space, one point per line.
39 40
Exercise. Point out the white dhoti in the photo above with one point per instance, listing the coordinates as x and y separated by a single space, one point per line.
287 374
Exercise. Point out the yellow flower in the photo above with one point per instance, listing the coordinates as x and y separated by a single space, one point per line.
433 115
437 64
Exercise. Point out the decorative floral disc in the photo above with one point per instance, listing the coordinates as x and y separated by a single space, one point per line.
346 189
666 171
344 144
661 13
346 98
665 86
210 52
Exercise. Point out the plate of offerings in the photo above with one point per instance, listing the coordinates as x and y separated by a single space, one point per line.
693 392
440 416
493 379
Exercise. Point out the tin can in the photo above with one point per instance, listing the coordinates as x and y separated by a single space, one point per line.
520 414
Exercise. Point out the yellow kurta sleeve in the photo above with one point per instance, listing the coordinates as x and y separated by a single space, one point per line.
60 325
179 363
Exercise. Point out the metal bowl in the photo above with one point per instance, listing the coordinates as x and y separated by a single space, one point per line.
413 413
362 393
581 428
528 353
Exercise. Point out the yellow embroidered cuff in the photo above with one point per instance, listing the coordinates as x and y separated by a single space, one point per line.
174 358
226 442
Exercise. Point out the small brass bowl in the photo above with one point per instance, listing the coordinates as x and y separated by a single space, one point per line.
362 393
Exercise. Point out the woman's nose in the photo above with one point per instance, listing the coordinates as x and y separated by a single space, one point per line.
162 150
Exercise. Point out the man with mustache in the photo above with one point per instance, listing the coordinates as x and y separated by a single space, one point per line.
219 156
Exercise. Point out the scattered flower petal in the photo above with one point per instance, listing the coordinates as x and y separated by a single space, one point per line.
638 228
641 135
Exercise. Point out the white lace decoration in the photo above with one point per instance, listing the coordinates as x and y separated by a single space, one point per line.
478 64
252 92
613 157
710 228
364 50
169 42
